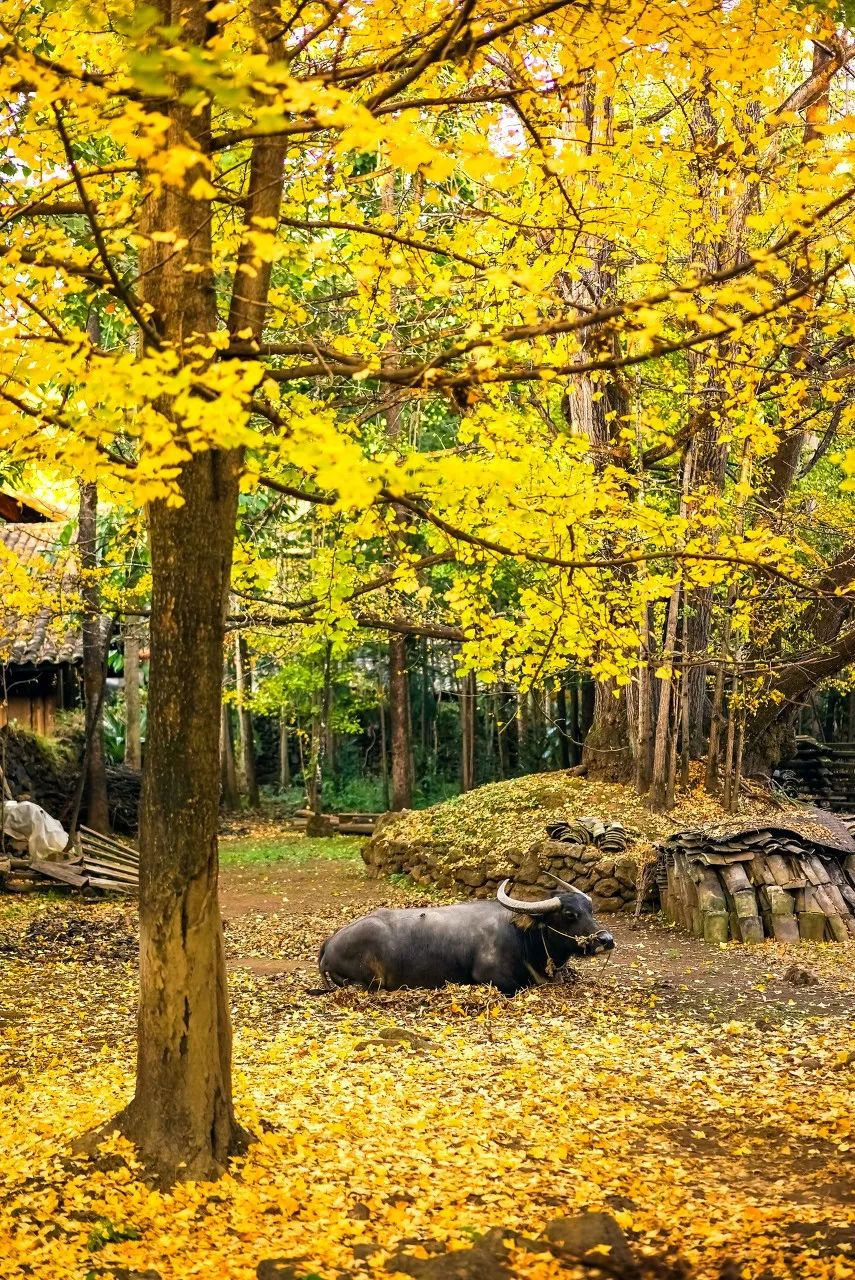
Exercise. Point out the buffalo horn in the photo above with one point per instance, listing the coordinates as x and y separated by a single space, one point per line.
532 908
563 883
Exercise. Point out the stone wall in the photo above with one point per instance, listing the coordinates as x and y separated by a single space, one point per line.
610 879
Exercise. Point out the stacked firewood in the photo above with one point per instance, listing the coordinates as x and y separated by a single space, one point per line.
784 877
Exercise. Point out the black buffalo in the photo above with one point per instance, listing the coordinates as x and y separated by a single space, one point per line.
505 941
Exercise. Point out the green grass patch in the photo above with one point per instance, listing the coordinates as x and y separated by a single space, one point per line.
294 848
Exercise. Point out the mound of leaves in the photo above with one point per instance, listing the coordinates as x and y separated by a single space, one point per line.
502 820
55 936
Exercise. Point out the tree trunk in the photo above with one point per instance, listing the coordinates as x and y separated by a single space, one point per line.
228 769
314 782
181 1116
561 726
607 750
660 784
468 692
133 731
424 707
644 718
247 735
384 750
284 762
523 733
501 745
399 720
94 669
574 724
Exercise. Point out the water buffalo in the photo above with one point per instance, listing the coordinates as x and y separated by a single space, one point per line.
505 941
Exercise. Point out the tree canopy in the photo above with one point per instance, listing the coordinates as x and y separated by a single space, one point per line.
525 327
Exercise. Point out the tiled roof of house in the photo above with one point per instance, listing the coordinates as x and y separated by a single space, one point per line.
52 633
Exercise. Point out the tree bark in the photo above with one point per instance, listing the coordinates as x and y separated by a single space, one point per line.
607 750
94 667
230 793
574 725
467 731
247 734
660 785
133 727
384 751
561 726
181 1117
284 763
399 724
501 745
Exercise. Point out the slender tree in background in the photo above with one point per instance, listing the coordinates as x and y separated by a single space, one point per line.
399 724
133 727
247 734
94 662
229 792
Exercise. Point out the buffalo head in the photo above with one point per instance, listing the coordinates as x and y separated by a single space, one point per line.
567 915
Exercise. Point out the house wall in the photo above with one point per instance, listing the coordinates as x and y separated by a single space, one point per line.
31 696
36 713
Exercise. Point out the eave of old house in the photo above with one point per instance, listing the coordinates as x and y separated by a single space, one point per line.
23 508
40 648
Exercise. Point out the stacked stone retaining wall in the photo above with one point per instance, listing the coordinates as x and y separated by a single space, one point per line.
610 879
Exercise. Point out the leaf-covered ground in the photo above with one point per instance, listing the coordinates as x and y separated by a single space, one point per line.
700 1096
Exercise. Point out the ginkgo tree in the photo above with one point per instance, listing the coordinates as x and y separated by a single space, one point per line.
195 174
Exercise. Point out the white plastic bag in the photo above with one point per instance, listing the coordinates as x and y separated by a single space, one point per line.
23 820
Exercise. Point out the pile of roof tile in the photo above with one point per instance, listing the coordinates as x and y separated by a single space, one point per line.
786 876
611 837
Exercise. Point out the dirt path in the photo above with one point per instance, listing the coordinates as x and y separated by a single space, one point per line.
277 915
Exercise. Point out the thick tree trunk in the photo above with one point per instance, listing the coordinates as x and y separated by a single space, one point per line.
607 750
247 734
133 729
181 1116
399 720
94 670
